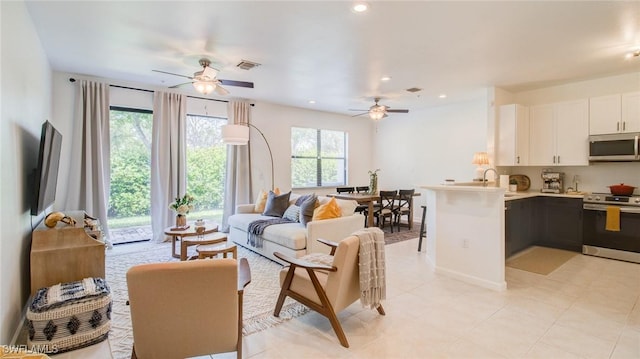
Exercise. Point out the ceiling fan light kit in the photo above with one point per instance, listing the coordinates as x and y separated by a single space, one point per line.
378 112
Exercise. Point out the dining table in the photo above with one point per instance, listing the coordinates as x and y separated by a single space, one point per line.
361 198
369 199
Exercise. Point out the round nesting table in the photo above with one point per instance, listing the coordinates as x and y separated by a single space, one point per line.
212 250
194 236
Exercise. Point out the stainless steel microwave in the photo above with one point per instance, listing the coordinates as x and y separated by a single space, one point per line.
614 147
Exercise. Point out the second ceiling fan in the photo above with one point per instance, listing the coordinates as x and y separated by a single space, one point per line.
378 112
206 80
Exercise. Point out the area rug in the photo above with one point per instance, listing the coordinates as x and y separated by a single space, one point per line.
403 235
540 260
259 296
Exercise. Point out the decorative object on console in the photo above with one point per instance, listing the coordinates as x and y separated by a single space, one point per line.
480 159
373 181
52 219
239 135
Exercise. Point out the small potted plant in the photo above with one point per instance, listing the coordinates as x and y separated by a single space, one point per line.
513 185
182 206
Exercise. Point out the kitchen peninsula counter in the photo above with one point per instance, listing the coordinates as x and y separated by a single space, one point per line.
465 233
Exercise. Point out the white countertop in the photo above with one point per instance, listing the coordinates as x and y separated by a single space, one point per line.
476 187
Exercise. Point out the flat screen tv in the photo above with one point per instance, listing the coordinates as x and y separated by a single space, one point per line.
46 174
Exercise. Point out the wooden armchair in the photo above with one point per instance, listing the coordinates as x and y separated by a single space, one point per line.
325 288
186 309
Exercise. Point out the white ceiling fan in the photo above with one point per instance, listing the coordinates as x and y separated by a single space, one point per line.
206 80
378 112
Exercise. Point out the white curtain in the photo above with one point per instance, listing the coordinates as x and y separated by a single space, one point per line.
168 159
238 182
90 168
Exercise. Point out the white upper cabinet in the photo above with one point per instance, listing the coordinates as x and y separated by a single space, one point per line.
559 134
513 136
631 112
617 113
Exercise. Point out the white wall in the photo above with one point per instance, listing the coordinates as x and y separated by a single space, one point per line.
275 122
426 146
597 176
26 104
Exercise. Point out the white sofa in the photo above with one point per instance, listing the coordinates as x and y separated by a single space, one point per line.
294 239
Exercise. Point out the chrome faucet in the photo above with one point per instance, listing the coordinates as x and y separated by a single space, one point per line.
484 176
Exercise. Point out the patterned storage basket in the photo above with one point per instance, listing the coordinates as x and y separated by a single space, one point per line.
69 316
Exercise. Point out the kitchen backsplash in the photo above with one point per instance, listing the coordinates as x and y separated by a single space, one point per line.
593 178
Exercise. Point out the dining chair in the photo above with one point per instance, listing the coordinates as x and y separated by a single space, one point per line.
345 189
404 208
362 208
387 208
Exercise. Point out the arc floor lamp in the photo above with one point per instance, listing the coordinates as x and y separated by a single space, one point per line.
239 135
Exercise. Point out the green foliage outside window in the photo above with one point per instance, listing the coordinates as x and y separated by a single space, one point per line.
131 163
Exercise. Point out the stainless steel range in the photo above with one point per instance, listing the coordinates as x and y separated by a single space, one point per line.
617 242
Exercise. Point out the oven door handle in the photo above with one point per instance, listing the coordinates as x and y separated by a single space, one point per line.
600 207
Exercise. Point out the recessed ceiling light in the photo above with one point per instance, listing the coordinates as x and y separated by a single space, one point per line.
443 95
360 7
312 101
385 78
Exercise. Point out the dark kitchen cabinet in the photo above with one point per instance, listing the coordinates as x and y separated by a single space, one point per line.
520 225
560 223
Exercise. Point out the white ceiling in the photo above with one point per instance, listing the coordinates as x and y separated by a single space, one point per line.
323 51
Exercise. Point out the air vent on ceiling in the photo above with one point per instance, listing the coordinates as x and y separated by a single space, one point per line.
414 89
247 65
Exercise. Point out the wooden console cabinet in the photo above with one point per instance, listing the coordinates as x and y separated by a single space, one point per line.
65 253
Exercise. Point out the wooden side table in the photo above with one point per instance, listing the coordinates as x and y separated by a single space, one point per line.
191 237
212 250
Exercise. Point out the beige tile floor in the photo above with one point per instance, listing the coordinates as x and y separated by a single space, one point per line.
587 308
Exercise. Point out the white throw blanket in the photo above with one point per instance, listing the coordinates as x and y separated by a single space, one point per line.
373 286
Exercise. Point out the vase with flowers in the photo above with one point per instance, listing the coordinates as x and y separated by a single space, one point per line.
373 181
182 206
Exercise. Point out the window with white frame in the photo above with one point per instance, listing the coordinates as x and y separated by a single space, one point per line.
318 157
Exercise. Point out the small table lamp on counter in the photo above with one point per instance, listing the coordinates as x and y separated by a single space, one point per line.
480 159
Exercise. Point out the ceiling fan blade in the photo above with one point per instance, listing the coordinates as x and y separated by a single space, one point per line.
397 110
221 90
171 73
178 85
236 83
360 114
359 110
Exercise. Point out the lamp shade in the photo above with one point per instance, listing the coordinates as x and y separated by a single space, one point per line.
235 134
480 158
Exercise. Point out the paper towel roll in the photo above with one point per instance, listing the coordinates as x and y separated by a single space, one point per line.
504 181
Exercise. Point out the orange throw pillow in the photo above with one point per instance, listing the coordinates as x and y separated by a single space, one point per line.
328 210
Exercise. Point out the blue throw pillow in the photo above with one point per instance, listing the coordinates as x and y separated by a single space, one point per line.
276 205
306 209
